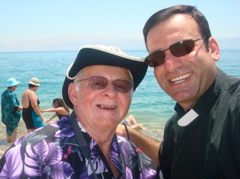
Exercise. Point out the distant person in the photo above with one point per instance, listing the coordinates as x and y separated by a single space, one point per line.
31 114
131 121
202 139
99 87
60 109
11 110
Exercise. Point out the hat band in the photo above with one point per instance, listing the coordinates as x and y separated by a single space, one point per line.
69 68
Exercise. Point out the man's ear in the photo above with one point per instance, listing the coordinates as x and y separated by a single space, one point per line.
72 94
214 49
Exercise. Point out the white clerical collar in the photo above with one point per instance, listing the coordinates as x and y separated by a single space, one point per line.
187 118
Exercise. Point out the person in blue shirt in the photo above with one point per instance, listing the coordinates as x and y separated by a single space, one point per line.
11 110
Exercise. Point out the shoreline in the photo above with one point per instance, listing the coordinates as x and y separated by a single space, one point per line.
4 145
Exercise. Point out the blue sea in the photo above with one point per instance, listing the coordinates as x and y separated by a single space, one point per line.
150 106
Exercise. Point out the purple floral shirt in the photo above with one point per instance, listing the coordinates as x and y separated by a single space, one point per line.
53 152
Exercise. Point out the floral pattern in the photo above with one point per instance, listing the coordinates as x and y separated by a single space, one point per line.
53 152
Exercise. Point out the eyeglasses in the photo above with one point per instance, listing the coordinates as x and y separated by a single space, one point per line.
100 82
177 49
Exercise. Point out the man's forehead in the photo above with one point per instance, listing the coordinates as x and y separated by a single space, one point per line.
97 69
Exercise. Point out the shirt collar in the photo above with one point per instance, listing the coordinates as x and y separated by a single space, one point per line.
209 98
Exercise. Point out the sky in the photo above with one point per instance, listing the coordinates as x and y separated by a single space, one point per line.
43 25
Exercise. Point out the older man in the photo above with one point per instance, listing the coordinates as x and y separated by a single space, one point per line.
99 88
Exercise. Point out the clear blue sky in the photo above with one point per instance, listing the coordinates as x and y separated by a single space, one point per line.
66 25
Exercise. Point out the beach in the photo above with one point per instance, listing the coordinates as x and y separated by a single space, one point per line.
4 145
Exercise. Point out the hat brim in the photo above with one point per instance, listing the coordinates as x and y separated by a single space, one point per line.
14 84
90 56
34 84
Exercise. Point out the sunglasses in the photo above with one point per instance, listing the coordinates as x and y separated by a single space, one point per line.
177 49
100 82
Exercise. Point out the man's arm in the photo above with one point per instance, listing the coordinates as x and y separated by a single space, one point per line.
148 145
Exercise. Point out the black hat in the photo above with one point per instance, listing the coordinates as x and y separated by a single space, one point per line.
103 55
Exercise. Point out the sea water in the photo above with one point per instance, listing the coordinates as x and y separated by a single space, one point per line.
150 106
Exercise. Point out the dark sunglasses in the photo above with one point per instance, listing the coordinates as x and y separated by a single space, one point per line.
177 49
100 82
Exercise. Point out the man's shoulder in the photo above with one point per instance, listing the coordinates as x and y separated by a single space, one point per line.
230 88
229 83
233 85
33 138
125 142
58 129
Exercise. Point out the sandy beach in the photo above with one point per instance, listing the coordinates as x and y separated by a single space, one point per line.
4 145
